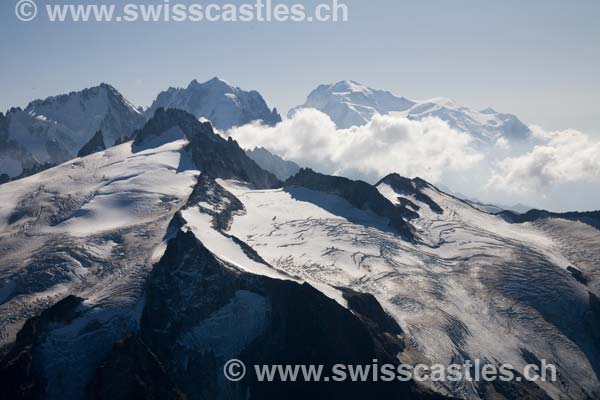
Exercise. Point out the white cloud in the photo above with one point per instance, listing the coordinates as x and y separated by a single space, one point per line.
559 157
502 143
426 148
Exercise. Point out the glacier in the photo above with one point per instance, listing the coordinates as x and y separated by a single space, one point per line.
125 271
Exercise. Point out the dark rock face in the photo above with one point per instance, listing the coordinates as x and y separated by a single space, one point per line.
358 193
366 305
163 121
9 148
214 155
190 291
228 161
95 145
578 275
209 192
411 187
132 372
19 375
592 318
591 218
3 127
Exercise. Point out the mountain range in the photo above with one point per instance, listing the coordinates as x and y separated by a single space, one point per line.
137 271
51 131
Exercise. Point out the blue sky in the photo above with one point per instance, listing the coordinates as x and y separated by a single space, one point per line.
537 59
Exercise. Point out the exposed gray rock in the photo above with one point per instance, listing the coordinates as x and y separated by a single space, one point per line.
95 145
358 193
276 165
51 131
217 157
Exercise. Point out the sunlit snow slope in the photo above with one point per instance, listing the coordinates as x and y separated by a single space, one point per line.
241 248
472 286
87 226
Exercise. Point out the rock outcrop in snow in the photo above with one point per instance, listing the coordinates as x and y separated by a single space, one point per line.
95 145
359 194
138 271
219 157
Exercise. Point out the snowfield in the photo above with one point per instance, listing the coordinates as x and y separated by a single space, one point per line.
87 227
477 287
468 285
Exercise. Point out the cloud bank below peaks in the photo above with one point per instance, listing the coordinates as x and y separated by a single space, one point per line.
559 157
428 148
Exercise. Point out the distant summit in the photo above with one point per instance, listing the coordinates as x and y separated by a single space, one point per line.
55 129
282 169
59 128
350 103
224 105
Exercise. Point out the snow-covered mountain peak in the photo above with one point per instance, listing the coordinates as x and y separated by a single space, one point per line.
225 105
350 103
76 108
54 129
440 102
103 91
488 110
347 86
215 83
414 183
